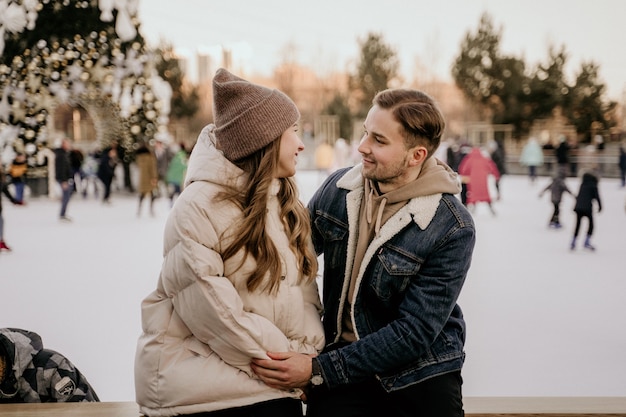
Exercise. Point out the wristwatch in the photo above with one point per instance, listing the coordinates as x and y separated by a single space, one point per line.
316 373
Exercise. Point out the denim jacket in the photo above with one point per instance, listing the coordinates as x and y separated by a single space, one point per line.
404 312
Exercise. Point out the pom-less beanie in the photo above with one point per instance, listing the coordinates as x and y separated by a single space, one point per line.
248 116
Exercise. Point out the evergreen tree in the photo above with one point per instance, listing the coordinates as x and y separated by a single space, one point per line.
58 23
548 88
473 69
185 99
85 53
338 107
378 65
587 108
503 92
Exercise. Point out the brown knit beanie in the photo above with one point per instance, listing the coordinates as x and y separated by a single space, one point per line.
248 117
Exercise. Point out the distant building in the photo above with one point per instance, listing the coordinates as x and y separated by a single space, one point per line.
205 67
183 63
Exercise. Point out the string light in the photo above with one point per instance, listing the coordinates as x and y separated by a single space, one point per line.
108 68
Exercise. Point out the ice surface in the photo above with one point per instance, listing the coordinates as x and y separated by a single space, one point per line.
542 320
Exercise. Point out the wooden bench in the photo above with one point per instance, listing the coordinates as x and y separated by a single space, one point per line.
474 407
537 406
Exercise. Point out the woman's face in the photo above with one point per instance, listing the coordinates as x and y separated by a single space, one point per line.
290 146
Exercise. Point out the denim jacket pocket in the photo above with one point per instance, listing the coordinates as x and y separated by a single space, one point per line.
393 272
334 234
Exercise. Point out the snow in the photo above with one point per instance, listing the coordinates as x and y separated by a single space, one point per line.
542 320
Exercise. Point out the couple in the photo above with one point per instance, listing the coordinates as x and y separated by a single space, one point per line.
234 329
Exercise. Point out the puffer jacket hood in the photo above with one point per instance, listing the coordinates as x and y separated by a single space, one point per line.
205 154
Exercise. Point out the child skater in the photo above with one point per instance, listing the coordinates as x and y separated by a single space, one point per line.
557 187
584 207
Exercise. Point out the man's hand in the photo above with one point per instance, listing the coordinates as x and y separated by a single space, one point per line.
285 370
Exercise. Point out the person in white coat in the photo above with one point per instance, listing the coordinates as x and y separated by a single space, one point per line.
532 157
239 269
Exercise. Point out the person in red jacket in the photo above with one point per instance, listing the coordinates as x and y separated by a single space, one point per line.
475 170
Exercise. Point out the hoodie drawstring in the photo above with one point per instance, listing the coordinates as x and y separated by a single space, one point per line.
368 207
379 213
379 217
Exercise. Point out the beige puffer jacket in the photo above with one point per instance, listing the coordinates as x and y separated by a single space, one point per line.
201 327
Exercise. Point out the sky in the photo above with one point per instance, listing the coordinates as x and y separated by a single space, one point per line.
325 33
542 321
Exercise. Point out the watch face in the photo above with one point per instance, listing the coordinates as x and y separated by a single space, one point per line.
317 380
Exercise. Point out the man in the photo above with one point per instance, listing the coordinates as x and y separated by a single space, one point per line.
64 176
397 246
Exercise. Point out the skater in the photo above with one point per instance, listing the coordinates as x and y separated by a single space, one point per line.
175 176
622 165
5 190
498 156
148 176
532 157
557 187
64 176
475 170
584 207
17 174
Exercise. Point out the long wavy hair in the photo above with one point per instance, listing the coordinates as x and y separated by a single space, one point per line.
252 237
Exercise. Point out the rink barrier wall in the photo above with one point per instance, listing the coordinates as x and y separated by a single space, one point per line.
474 407
607 165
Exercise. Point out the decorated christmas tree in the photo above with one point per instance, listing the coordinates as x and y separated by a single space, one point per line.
85 53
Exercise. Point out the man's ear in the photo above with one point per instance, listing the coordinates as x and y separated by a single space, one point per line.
418 155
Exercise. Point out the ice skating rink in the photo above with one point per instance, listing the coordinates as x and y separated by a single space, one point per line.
542 320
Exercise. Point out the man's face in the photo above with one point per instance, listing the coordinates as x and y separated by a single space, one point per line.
384 153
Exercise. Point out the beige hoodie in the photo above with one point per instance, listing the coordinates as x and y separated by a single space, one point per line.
434 178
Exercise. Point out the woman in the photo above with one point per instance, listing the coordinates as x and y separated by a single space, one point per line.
238 277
